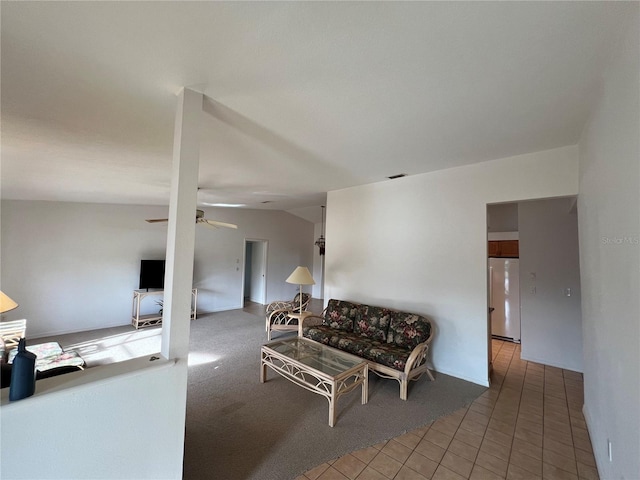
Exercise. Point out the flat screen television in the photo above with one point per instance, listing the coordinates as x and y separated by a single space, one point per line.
151 274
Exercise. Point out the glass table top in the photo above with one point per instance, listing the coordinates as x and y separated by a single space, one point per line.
315 355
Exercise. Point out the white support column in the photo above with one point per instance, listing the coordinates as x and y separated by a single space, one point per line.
181 232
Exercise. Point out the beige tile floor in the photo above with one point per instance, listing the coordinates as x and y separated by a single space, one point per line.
527 426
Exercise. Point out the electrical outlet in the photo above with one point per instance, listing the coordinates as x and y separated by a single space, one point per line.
567 292
532 290
609 450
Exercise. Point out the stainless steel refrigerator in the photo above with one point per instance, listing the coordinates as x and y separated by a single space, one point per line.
504 298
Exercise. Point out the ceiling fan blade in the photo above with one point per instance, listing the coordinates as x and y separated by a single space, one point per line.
215 223
156 220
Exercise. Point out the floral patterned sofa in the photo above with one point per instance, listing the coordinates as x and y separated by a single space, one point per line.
395 344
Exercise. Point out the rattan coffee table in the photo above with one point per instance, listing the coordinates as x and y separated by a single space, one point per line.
316 367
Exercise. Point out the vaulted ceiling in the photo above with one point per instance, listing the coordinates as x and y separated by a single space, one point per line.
301 97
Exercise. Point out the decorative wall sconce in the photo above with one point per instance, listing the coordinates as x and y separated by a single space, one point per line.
320 242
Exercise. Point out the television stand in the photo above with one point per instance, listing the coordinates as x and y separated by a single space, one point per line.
153 319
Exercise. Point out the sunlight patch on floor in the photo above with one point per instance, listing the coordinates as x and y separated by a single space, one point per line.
199 358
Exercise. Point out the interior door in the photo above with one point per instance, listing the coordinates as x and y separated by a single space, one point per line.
255 271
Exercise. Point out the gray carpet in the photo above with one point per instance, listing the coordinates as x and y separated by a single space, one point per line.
238 428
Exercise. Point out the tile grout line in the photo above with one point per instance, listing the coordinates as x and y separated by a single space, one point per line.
507 376
566 402
573 445
517 416
439 463
493 407
456 431
544 408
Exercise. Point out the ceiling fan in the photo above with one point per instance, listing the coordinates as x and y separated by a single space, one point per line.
199 220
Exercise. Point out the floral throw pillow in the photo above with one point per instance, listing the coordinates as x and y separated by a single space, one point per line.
408 330
340 314
372 322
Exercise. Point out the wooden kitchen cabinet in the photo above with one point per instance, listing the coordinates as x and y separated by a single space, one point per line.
504 248
494 249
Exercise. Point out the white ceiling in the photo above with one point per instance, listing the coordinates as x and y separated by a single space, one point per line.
301 97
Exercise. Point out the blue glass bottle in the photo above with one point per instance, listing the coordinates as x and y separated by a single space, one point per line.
23 373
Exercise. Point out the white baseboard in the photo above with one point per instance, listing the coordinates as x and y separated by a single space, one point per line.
591 429
544 361
223 309
54 333
484 383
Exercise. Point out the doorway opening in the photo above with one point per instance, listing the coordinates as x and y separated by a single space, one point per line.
503 271
533 280
254 283
503 276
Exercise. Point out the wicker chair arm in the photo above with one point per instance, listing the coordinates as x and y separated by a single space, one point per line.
420 352
280 305
417 357
280 316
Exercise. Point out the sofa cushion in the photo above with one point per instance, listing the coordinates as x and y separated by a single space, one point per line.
408 330
383 353
348 342
340 314
342 340
322 334
388 354
353 343
372 322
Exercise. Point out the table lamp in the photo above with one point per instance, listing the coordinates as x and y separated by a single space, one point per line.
301 276
6 303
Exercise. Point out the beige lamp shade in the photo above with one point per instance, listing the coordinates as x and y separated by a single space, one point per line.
301 276
6 303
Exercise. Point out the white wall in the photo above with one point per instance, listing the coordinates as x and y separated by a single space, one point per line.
218 276
551 321
502 217
419 243
73 266
117 421
609 225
